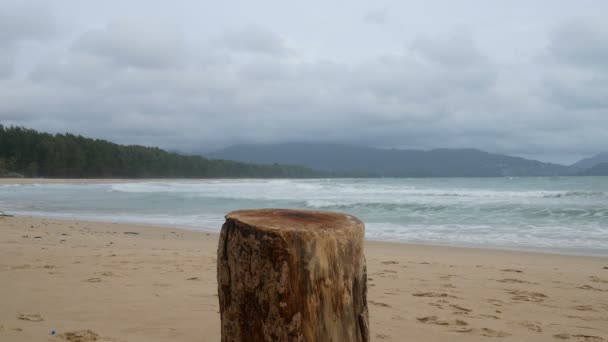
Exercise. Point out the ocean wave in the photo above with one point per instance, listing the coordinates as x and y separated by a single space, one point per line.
378 206
576 194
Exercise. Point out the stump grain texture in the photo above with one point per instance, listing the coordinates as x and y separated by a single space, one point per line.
292 275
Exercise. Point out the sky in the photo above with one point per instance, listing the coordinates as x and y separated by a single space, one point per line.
525 78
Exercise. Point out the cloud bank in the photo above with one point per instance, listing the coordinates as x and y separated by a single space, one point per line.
143 81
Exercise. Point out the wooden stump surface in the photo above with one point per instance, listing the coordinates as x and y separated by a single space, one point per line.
292 275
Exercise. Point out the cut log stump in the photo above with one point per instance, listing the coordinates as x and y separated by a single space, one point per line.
292 275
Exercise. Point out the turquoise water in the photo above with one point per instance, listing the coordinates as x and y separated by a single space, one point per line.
562 214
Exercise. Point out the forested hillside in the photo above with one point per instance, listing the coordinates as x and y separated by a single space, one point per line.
36 154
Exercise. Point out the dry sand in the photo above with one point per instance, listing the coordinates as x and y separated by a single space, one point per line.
135 283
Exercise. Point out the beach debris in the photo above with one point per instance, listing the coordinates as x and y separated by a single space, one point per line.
131 233
53 332
30 317
80 336
193 278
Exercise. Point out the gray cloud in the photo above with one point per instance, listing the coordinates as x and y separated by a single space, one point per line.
581 44
6 65
20 23
456 50
255 40
376 17
576 77
142 81
134 42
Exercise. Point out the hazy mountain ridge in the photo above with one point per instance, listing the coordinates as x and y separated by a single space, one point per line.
600 169
369 161
588 163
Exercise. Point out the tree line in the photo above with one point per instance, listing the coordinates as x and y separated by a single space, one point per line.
37 154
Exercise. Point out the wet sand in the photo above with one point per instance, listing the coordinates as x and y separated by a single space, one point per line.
117 282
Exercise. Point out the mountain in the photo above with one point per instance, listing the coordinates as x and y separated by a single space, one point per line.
36 154
600 169
369 161
588 163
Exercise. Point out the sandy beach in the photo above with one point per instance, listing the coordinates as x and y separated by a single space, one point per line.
136 283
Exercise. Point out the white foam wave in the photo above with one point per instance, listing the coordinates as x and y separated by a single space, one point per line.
282 189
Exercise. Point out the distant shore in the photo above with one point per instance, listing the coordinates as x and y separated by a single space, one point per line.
137 283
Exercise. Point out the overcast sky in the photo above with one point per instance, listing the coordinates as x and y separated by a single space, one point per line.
527 78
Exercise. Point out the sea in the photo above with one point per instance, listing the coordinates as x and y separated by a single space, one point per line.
566 215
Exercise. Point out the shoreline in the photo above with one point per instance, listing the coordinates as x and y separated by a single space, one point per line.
118 280
215 230
585 247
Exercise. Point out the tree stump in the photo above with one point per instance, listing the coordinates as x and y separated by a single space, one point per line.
292 275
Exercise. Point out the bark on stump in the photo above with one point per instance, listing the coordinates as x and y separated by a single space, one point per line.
292 275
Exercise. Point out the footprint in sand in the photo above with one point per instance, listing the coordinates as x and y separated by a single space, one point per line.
382 336
512 270
80 336
527 296
437 305
514 281
531 326
493 333
20 267
108 274
584 308
93 280
598 280
495 302
432 295
580 337
460 308
589 287
390 262
30 317
384 305
437 321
